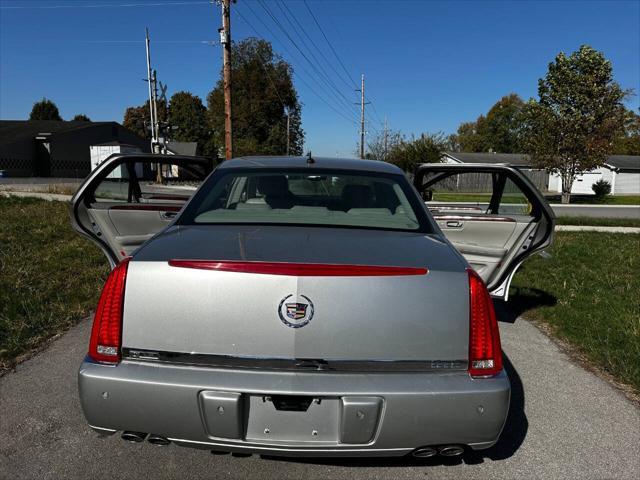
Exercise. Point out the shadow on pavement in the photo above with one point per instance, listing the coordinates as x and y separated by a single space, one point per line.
513 434
522 300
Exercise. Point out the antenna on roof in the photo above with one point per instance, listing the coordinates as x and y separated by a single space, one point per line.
310 159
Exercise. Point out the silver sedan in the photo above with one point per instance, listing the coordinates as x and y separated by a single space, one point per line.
303 306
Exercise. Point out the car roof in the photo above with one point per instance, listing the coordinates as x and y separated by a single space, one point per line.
318 162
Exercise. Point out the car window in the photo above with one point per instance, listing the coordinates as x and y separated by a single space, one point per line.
473 192
513 201
145 182
320 198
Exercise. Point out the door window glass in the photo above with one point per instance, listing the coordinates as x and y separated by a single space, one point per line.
146 182
474 193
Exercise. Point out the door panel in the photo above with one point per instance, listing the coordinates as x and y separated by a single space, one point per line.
130 198
491 214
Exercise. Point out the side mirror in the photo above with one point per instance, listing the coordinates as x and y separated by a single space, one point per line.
427 195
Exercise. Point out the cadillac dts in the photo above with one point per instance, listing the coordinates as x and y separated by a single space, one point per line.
303 306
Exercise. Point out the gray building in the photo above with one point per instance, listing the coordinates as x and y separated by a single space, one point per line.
47 148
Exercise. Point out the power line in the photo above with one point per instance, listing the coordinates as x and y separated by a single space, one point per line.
201 42
317 62
322 86
103 5
312 64
335 53
355 84
318 49
300 77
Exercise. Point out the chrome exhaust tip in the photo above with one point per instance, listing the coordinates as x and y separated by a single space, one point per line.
451 450
424 452
158 440
135 437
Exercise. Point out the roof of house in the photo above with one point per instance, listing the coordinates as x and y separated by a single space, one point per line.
183 148
620 162
625 162
16 130
519 159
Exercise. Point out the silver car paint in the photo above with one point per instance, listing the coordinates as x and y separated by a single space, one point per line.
356 318
419 408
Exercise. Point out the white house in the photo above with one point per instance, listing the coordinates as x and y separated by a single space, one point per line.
621 171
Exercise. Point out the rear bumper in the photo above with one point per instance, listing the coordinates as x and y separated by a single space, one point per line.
405 410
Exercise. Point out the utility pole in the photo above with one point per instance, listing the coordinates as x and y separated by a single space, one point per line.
386 138
154 107
225 40
362 104
151 100
288 129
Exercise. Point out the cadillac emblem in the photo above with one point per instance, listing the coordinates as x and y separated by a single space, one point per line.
295 312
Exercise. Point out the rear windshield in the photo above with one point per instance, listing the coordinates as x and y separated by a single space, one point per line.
321 198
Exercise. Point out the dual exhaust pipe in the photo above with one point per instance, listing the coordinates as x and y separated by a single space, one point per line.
137 437
422 452
444 451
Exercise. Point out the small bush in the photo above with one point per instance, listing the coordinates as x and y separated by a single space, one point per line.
601 188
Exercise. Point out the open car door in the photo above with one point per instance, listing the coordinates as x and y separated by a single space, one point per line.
129 198
492 214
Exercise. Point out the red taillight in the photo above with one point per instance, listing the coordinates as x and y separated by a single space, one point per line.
106 333
485 354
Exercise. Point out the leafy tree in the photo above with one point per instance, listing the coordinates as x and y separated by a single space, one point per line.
499 131
470 137
629 142
81 117
378 147
571 128
503 125
262 91
137 119
45 109
427 148
189 122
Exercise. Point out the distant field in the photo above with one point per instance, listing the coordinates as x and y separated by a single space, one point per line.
588 294
50 277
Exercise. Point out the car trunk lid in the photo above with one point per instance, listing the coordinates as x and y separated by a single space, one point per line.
295 305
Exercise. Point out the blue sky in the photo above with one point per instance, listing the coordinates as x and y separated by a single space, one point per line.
429 65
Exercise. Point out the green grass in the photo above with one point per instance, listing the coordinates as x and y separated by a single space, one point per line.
592 200
593 280
50 277
600 222
575 199
474 197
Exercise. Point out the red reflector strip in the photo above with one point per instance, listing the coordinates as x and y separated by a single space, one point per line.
299 269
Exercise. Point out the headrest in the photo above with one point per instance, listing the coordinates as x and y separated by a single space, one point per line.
357 196
273 185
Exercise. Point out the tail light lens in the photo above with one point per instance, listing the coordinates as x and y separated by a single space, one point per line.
106 334
485 353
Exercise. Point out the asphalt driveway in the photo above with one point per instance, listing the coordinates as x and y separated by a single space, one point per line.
564 423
